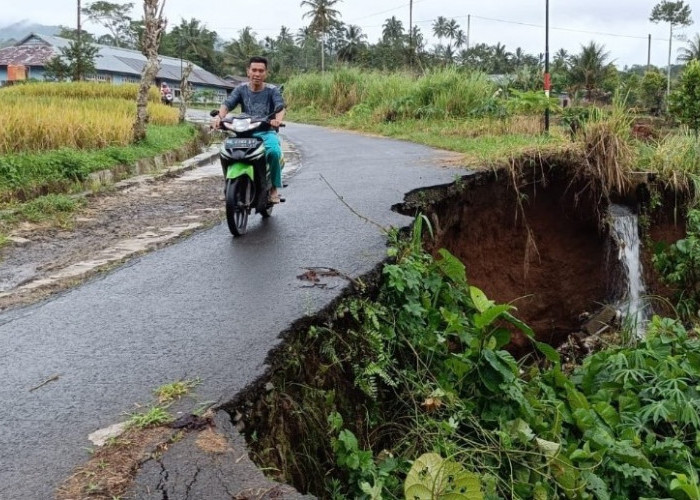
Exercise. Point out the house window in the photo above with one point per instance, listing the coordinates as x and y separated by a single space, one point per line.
102 78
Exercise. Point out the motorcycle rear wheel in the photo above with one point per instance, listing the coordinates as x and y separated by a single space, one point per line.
239 196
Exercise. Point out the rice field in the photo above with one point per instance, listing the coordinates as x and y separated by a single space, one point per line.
49 116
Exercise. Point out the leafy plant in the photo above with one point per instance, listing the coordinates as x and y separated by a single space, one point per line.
684 102
679 265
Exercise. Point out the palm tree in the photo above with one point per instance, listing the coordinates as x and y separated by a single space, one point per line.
501 59
323 16
238 52
192 41
562 60
692 51
590 67
392 30
352 44
440 27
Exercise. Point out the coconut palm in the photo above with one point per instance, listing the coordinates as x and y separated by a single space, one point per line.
323 16
590 67
692 51
238 52
392 30
352 44
440 27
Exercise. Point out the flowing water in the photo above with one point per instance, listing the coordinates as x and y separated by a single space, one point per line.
625 225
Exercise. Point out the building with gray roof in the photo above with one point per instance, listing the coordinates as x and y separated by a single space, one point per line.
27 59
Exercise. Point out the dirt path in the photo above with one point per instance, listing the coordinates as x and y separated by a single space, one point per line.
137 216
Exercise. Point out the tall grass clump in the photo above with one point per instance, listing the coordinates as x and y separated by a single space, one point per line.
610 156
387 97
676 160
452 92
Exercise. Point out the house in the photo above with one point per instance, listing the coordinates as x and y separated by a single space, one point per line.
27 58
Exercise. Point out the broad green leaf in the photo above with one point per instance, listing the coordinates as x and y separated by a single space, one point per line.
481 302
548 351
502 337
484 319
607 413
566 475
576 399
596 485
520 325
431 477
452 267
549 448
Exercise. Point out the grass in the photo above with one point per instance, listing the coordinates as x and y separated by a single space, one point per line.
156 415
168 393
676 158
24 175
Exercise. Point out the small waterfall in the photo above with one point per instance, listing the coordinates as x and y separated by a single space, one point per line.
630 294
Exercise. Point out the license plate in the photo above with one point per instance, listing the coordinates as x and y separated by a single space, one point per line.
241 142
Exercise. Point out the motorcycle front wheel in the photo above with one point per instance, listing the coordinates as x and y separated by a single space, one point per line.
239 196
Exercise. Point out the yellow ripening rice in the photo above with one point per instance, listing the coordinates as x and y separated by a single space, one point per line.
36 123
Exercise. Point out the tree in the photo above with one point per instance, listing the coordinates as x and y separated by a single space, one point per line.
154 24
675 14
590 68
56 69
692 51
653 89
684 103
192 41
323 17
238 52
79 56
353 44
114 17
392 31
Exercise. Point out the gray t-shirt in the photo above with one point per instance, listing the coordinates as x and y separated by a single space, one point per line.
256 104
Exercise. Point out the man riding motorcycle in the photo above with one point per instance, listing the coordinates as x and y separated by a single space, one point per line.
260 99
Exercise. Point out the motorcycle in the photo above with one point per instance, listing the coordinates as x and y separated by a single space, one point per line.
245 169
167 98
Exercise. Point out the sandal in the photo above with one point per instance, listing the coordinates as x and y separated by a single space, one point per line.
275 198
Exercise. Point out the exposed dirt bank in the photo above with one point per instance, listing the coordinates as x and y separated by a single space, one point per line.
545 247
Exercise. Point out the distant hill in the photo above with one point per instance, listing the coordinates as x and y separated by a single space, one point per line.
14 32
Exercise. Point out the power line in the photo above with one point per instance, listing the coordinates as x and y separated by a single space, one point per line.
493 19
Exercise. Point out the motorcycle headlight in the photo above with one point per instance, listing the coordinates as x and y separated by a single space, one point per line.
244 124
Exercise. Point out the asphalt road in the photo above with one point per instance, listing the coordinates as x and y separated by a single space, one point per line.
210 307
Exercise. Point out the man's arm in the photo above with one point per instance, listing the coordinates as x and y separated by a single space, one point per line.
229 103
278 101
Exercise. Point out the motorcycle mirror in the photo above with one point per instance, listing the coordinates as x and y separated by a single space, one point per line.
213 112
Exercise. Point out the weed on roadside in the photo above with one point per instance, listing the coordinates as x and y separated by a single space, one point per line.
168 393
156 415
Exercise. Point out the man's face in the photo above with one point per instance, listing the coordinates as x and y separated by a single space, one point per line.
257 72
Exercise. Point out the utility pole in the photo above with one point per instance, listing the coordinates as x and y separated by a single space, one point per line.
79 21
410 33
668 79
547 77
649 54
469 28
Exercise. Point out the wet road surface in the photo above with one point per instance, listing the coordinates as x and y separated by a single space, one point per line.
210 307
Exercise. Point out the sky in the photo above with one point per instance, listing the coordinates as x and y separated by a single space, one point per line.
622 26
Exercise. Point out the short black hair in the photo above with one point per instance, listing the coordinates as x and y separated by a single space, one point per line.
257 59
